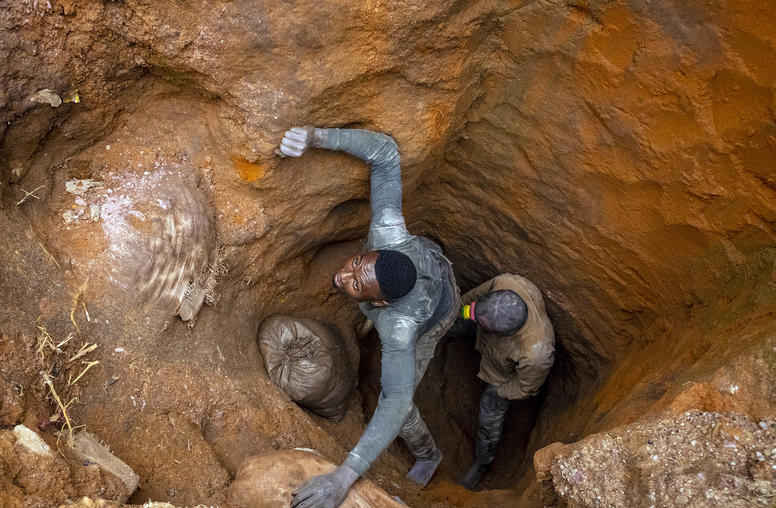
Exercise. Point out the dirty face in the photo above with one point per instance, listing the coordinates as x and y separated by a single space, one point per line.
358 280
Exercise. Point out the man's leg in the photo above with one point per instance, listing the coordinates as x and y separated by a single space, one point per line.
418 439
493 410
414 431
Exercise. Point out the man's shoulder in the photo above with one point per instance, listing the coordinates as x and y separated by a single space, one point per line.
509 280
417 248
536 339
428 243
518 284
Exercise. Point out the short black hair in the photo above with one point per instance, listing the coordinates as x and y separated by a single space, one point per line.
396 273
502 311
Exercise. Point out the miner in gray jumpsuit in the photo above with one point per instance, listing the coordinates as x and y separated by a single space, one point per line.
405 286
517 343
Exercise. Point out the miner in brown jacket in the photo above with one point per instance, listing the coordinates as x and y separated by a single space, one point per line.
517 343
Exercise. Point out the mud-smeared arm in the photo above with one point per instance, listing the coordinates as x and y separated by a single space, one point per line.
382 154
397 381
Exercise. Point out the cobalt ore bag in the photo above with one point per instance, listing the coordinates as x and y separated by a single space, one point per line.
307 360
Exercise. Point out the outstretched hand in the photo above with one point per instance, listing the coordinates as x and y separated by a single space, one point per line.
296 141
325 491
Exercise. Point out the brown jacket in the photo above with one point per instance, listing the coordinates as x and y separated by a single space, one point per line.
516 365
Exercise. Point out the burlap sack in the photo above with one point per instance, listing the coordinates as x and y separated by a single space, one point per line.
268 481
307 360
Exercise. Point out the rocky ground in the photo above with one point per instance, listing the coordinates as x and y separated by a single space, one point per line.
691 459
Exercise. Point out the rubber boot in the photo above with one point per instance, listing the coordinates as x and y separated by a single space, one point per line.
418 439
474 475
493 410
424 469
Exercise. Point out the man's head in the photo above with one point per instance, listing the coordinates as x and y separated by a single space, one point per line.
377 276
503 312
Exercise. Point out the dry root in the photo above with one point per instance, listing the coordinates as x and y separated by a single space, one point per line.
62 407
89 365
85 350
45 340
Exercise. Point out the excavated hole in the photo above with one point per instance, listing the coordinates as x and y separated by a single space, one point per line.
448 399
449 395
628 176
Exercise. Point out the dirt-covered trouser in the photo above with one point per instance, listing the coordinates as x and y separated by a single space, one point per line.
493 409
414 431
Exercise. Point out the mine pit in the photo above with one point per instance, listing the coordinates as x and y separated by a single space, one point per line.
620 157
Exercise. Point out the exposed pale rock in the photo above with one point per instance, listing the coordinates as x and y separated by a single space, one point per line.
30 440
46 96
79 187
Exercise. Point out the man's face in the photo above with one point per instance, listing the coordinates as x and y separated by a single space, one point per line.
358 280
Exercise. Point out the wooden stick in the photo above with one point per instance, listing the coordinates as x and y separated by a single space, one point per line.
52 257
28 194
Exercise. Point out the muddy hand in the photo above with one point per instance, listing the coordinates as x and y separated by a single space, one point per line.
296 141
325 491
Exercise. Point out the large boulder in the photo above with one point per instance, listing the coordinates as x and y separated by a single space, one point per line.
268 481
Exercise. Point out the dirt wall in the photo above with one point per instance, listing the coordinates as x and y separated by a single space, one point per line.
618 155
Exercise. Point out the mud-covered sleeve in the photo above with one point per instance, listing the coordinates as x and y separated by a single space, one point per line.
395 401
531 370
382 154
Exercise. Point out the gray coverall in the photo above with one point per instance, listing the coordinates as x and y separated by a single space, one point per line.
409 327
514 367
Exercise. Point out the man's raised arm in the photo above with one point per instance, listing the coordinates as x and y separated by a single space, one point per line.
381 153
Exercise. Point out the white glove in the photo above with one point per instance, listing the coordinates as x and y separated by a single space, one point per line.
297 140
